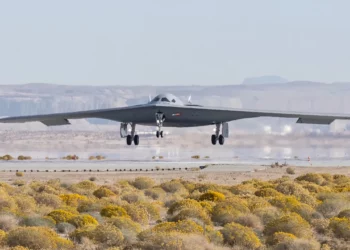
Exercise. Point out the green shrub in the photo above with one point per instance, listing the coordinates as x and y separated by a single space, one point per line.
184 204
19 174
133 197
36 238
311 177
143 183
38 222
92 178
155 193
113 211
255 203
103 192
340 227
267 214
226 211
137 213
291 188
83 220
332 207
246 189
292 223
89 206
238 235
185 227
344 214
8 222
128 227
298 244
108 236
267 192
250 220
290 170
173 186
87 185
46 199
80 233
65 228
25 204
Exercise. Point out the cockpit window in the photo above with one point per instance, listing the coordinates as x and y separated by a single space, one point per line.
155 99
173 101
164 99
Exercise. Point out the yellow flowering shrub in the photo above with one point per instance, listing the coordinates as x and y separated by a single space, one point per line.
61 215
291 223
212 196
113 211
2 237
72 199
83 220
280 237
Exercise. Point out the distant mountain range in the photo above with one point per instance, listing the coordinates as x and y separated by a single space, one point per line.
264 80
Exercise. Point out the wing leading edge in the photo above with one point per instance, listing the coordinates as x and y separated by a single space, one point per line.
125 114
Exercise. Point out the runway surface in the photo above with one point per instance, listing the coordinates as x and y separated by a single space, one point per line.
117 165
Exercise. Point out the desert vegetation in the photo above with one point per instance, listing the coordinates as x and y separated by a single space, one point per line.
311 211
70 157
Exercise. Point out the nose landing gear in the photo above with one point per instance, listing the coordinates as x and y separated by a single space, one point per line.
160 118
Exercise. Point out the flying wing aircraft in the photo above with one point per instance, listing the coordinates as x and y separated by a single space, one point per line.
166 110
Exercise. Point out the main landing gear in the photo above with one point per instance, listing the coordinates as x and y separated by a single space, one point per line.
130 138
160 118
217 137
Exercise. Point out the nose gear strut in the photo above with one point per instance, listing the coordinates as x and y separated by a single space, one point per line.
160 118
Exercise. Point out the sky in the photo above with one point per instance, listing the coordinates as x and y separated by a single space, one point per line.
182 42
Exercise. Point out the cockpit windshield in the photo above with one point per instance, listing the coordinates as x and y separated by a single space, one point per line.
164 99
167 98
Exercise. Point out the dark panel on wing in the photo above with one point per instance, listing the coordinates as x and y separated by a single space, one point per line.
56 122
315 121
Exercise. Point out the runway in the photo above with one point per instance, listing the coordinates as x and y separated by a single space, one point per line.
157 165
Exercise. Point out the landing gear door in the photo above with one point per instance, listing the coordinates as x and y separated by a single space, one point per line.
123 130
225 129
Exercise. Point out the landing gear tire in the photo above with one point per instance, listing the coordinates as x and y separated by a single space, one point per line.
221 139
128 140
136 140
213 139
161 134
157 134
